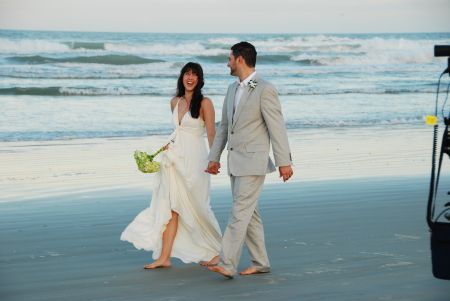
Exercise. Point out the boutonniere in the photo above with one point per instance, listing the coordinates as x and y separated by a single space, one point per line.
252 85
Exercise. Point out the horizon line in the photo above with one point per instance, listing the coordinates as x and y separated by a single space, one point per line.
274 33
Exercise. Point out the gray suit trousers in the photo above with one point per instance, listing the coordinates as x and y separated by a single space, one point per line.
244 225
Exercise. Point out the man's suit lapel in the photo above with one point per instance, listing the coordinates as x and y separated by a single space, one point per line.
244 99
231 101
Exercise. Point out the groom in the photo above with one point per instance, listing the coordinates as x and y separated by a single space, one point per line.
251 120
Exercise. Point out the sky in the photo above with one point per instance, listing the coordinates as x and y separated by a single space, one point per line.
228 16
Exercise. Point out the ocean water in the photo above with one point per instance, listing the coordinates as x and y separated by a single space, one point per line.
69 85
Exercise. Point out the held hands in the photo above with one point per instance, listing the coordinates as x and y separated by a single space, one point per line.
286 172
213 168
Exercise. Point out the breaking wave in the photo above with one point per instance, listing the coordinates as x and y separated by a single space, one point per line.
341 123
95 91
110 59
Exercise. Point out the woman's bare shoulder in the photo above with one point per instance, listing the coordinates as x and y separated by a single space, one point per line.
173 102
207 101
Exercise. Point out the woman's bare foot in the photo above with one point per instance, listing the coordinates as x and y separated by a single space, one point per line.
213 261
158 264
220 270
250 271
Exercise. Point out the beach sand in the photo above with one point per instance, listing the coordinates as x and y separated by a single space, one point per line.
349 226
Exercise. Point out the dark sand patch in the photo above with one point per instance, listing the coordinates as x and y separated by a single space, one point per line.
331 240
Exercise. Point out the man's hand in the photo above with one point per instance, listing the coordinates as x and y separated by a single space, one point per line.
213 168
286 172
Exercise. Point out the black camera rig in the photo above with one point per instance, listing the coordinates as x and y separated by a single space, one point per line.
440 231
443 50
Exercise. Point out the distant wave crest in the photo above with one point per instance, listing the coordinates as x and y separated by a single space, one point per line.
55 91
341 123
355 91
66 70
8 46
110 59
66 135
321 50
193 49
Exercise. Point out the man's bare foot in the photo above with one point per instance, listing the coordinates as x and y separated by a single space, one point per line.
158 264
250 271
220 270
213 261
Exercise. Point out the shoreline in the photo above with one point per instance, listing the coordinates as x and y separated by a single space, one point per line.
101 163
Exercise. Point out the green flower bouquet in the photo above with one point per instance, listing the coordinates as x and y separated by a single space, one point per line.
145 162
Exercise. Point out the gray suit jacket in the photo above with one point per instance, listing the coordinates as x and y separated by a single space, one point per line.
258 122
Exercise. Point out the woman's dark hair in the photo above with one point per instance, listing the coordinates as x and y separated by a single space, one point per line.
247 51
196 101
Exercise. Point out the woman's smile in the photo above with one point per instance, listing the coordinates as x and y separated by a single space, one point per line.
190 80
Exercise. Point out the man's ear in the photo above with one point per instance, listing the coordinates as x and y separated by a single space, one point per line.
242 61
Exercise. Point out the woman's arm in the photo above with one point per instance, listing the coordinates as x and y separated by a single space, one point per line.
208 115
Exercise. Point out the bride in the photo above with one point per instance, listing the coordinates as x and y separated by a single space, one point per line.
179 222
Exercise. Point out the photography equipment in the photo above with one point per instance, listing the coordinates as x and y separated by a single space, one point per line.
443 50
440 231
447 216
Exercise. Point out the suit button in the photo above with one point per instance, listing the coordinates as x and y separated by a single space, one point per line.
232 133
231 149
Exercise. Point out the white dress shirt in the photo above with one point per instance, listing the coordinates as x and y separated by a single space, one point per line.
240 91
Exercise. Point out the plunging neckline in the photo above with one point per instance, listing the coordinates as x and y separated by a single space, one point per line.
178 117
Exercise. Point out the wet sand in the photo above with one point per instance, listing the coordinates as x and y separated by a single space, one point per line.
350 227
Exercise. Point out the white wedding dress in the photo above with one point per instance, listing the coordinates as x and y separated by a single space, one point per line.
180 185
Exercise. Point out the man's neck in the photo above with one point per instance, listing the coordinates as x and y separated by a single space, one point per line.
245 73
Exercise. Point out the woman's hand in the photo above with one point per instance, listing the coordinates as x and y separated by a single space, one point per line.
213 168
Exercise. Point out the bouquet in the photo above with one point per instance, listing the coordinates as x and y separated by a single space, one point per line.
145 162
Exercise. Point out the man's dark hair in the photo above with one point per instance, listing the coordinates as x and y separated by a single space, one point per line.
247 51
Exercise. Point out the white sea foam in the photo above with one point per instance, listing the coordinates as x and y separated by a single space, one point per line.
28 46
341 123
320 44
307 70
163 68
336 51
354 91
8 46
323 44
374 51
412 56
194 49
224 41
214 91
152 91
335 91
115 91
84 71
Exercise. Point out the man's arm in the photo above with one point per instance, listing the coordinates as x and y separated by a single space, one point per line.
271 111
220 140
